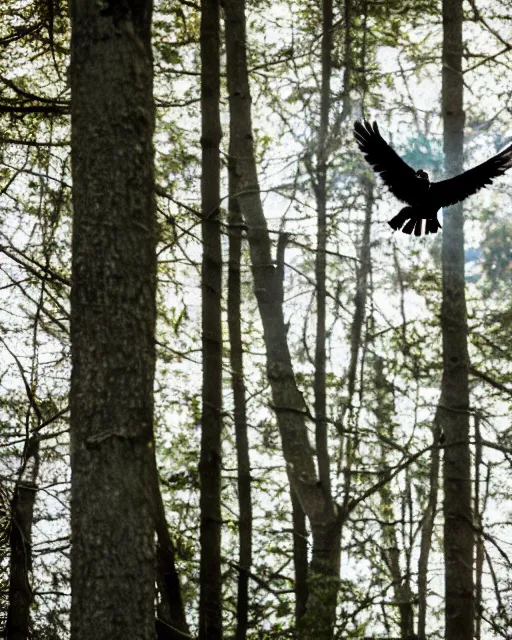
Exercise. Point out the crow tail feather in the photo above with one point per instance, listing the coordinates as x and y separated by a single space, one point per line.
408 221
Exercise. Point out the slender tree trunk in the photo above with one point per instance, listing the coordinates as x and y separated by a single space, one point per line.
300 558
427 529
390 549
322 451
323 576
300 532
288 401
242 442
391 554
20 541
210 601
350 444
356 330
5 519
347 60
171 623
480 549
454 404
113 314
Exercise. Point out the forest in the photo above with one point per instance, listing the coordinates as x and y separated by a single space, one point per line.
234 402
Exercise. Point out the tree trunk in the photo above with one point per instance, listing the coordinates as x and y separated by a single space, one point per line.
171 623
20 541
210 600
347 60
356 330
322 451
288 402
324 568
454 403
390 549
391 555
240 418
112 321
300 558
427 529
480 549
349 444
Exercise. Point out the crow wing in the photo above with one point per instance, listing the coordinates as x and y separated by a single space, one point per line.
456 189
396 173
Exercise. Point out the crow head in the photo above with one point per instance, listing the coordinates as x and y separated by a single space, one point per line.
422 175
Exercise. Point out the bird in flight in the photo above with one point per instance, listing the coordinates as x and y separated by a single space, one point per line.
424 198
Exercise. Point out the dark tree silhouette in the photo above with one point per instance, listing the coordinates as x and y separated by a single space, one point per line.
424 198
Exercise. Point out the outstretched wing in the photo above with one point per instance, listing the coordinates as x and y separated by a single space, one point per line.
466 184
397 174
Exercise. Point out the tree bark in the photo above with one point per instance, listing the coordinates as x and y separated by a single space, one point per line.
240 418
210 599
454 403
288 402
20 542
112 321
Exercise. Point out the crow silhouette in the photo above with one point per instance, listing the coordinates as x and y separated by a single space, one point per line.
424 198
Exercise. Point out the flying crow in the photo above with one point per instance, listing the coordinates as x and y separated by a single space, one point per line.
424 198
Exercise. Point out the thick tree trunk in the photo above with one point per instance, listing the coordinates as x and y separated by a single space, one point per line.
323 580
210 600
112 321
240 418
20 541
454 404
288 401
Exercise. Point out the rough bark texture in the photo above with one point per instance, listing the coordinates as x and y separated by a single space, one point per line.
210 600
242 442
112 321
20 541
288 402
454 404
